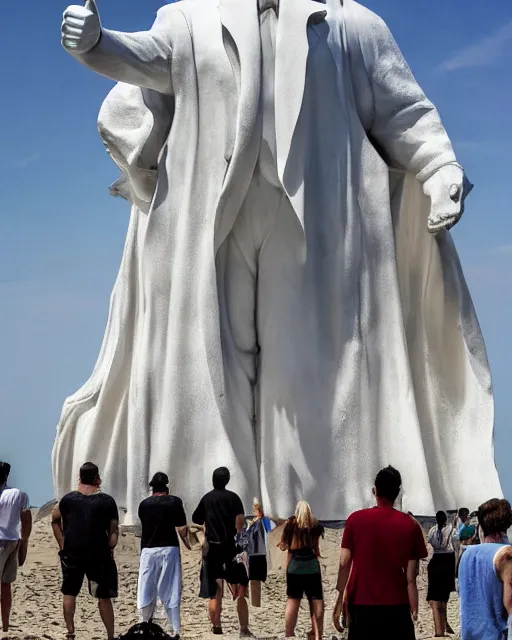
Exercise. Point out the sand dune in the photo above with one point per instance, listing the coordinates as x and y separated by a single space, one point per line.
37 606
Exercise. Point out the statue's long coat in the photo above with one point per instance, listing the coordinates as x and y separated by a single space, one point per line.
371 353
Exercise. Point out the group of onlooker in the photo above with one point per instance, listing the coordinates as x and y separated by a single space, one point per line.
379 562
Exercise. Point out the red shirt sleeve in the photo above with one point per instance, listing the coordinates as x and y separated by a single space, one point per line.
418 546
348 535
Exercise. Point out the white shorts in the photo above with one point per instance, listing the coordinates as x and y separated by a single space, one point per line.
8 561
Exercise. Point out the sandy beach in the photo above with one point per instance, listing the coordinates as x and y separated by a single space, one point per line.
37 600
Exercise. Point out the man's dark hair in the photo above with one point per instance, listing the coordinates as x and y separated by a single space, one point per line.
221 477
388 483
159 483
89 474
495 516
441 519
463 514
5 470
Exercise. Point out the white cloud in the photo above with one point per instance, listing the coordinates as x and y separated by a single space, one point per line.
502 250
22 163
482 53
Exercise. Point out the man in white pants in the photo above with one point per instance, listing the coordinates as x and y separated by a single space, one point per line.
161 515
15 529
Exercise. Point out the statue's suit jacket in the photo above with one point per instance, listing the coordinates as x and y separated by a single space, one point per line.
397 375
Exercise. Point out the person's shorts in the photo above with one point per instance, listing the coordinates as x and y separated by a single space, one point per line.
99 569
220 564
304 584
370 621
258 568
8 561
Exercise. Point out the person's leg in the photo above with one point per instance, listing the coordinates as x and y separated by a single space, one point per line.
447 624
72 580
107 615
242 609
6 602
103 581
215 607
439 627
290 617
169 586
147 613
147 584
317 618
8 574
69 607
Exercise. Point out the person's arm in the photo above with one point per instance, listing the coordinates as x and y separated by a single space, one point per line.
503 564
412 587
240 522
142 59
58 532
26 524
199 515
340 607
238 509
344 570
183 533
25 530
113 535
181 524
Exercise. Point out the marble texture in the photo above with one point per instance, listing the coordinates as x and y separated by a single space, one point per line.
303 334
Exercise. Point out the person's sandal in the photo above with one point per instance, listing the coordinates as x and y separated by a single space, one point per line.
70 636
217 631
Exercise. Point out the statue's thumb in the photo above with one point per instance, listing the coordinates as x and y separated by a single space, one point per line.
92 7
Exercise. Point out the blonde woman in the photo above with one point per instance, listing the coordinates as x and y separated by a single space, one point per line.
301 539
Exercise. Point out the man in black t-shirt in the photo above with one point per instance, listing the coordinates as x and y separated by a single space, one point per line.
222 514
161 516
85 524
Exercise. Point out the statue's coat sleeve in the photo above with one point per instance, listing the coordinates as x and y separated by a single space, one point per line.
403 122
142 59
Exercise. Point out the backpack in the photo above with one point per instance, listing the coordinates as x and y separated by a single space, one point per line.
145 631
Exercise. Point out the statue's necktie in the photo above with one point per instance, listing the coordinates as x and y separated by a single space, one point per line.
264 5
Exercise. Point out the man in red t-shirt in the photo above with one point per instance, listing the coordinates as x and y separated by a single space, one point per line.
379 562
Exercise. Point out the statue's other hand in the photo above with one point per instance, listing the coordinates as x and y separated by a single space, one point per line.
81 28
447 189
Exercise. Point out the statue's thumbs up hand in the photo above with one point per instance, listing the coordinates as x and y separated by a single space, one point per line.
81 27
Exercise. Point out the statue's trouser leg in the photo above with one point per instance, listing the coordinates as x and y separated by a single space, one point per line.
237 269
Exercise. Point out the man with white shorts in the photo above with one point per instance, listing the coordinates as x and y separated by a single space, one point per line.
162 517
15 529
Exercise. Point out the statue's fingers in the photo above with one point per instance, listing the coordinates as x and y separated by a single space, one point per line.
75 22
73 32
76 12
70 43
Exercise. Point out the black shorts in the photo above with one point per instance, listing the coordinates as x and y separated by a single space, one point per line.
258 568
220 564
100 570
371 621
304 584
441 577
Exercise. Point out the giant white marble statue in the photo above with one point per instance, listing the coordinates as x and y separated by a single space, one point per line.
281 307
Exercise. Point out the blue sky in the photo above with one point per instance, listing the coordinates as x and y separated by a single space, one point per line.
61 234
